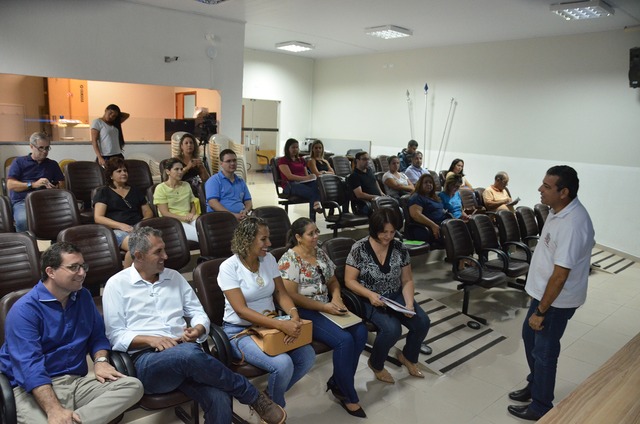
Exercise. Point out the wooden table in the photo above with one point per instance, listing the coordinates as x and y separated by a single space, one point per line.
610 395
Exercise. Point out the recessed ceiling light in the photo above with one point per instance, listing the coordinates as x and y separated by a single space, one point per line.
589 9
295 46
388 31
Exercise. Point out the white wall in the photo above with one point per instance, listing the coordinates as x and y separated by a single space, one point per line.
522 106
286 78
124 42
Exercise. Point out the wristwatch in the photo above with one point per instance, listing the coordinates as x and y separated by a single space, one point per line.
29 185
101 359
539 313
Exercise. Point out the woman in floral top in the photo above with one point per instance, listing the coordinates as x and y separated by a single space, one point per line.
379 265
308 276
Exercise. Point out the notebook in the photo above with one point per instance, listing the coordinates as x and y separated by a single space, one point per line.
343 321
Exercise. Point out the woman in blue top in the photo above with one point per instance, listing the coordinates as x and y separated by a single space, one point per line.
451 198
425 209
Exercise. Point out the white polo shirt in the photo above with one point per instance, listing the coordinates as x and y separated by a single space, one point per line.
567 240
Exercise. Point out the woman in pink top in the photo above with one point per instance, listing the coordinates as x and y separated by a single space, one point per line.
296 179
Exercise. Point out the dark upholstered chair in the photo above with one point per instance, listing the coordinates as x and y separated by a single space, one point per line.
81 177
335 196
139 174
19 262
100 251
468 270
338 249
382 163
436 180
175 240
341 165
486 243
215 231
381 184
278 222
541 211
283 199
51 211
510 238
6 216
469 201
528 226
162 165
150 191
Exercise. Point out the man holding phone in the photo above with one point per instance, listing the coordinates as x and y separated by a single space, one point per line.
34 171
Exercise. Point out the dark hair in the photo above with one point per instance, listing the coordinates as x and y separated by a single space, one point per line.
379 219
111 165
226 152
360 154
452 179
418 187
412 143
415 155
139 239
297 229
453 165
287 145
117 123
390 158
500 176
196 150
52 257
567 178
168 164
313 145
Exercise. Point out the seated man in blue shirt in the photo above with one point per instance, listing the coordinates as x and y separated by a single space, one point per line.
226 191
48 334
34 171
145 307
415 171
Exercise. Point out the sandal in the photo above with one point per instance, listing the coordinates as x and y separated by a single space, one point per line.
383 375
411 367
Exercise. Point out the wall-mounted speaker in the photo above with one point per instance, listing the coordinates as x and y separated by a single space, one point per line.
634 67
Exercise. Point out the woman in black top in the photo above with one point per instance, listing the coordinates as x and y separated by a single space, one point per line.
317 164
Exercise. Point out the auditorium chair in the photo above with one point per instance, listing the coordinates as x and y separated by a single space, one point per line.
175 241
100 251
341 165
486 245
6 216
541 211
334 195
80 178
215 230
139 174
382 163
283 198
467 270
19 262
278 222
51 211
436 180
528 226
511 239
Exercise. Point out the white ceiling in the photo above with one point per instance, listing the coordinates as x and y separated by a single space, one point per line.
336 27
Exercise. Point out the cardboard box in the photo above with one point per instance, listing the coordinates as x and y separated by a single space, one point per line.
271 341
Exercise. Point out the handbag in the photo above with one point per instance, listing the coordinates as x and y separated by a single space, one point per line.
271 340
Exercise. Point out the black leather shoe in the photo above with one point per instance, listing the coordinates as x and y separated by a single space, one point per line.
357 413
522 395
523 412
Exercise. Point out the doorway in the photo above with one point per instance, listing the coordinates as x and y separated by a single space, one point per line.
185 101
260 122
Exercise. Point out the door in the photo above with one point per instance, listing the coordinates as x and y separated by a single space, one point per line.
259 129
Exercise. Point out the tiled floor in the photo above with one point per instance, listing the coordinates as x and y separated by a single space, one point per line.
476 391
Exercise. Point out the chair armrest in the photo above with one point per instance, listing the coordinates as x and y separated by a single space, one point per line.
122 362
518 245
476 263
221 344
8 406
503 257
332 206
353 302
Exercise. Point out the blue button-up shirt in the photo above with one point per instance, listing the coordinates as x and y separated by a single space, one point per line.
43 340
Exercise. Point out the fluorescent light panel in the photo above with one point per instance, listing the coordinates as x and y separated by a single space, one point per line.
590 9
388 31
295 46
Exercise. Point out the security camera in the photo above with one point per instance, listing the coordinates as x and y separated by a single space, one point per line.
168 59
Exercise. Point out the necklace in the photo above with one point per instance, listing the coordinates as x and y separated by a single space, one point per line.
258 277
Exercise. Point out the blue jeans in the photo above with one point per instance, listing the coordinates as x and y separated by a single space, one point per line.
307 189
200 376
284 369
389 324
347 345
20 216
542 349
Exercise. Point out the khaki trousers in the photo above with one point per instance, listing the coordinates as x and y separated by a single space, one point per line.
94 402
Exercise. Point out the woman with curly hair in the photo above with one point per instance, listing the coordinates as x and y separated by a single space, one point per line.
251 283
194 172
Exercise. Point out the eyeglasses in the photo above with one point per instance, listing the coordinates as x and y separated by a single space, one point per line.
42 148
75 268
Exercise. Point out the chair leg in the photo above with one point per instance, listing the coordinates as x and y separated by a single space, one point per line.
465 310
185 417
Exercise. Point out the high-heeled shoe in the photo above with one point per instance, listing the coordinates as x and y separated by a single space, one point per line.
411 367
382 375
335 390
357 413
